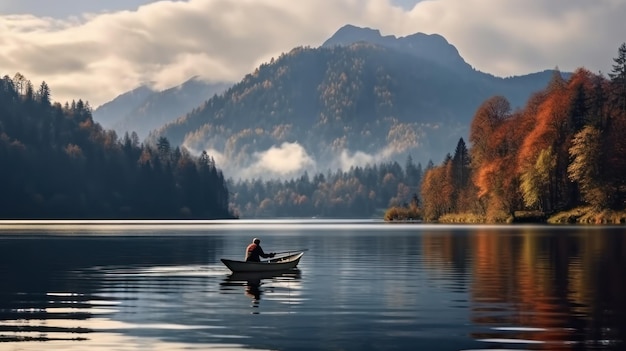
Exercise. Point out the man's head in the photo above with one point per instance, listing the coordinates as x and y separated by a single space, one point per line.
256 241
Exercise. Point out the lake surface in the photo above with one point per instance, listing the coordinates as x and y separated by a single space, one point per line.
362 285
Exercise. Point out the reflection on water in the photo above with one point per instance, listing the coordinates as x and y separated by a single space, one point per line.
542 290
282 285
359 287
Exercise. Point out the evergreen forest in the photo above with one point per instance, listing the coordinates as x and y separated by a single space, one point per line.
56 163
360 192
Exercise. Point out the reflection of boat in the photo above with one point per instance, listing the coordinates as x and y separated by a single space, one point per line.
275 264
252 281
293 273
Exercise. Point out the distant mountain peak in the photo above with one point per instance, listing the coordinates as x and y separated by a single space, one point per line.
433 47
350 34
143 109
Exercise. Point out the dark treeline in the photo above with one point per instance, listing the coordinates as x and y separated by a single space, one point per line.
361 192
55 162
565 149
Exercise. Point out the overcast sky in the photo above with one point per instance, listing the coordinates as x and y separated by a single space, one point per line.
98 49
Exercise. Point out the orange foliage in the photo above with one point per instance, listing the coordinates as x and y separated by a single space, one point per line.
496 176
484 178
506 146
581 77
498 184
551 118
447 189
507 138
488 117
432 185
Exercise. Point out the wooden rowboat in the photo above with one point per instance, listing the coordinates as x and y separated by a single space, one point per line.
274 264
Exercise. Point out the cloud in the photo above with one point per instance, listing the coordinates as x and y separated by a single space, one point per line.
520 36
291 160
97 56
282 161
66 8
348 159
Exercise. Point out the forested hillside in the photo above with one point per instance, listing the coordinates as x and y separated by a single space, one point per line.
565 149
338 103
55 162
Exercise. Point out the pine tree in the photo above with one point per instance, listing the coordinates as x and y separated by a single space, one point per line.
460 164
618 78
43 94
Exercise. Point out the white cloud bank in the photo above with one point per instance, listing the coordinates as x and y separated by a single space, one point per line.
291 160
284 161
98 56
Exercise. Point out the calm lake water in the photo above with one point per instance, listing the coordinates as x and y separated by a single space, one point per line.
360 286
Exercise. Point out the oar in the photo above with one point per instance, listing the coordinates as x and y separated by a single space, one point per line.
278 259
290 251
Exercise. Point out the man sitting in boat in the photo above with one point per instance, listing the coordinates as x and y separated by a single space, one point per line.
254 252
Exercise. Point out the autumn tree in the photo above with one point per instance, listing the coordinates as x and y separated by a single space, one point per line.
535 181
487 118
552 129
433 202
492 148
585 168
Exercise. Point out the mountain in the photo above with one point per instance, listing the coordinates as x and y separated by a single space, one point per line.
359 98
144 109
113 111
432 47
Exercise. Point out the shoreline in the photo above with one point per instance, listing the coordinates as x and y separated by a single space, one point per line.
579 215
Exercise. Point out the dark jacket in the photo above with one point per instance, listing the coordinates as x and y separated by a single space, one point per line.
254 252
